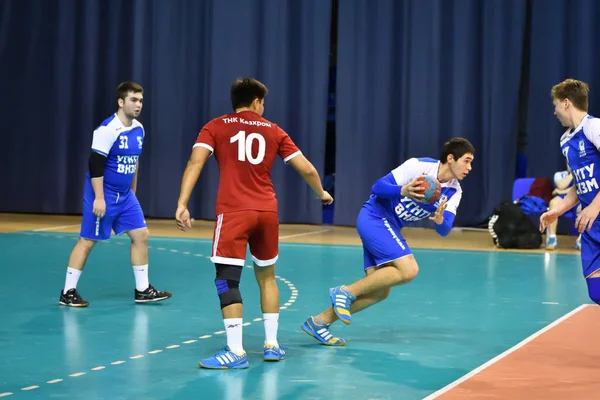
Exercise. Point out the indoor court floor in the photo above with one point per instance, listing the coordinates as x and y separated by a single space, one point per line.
476 323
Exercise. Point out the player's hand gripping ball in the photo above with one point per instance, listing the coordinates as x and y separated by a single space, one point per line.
433 189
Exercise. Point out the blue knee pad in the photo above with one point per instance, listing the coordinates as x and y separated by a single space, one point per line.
227 282
594 289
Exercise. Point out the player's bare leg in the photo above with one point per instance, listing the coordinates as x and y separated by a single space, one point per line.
394 273
329 316
139 246
269 292
269 302
551 240
79 255
233 355
144 291
318 326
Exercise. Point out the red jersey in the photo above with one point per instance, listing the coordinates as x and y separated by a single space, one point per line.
245 146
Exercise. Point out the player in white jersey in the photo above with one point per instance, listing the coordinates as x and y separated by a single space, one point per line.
109 201
394 203
580 145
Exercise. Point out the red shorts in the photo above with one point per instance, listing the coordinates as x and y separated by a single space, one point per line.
235 230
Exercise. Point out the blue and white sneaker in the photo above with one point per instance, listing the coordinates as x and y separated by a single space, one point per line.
321 333
341 300
225 359
274 353
551 242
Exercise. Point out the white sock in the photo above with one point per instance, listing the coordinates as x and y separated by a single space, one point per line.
233 327
72 279
271 326
141 277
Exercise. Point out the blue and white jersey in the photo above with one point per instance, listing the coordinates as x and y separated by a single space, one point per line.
580 146
407 210
122 147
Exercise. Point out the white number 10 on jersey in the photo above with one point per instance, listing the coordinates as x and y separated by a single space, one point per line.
245 146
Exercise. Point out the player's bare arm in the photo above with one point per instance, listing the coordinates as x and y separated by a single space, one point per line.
565 205
190 177
135 177
96 167
413 189
311 176
588 215
438 216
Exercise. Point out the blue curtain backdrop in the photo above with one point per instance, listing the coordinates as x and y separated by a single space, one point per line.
413 74
565 38
61 60
410 75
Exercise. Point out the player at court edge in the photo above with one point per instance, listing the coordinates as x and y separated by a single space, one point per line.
419 188
109 201
245 146
580 145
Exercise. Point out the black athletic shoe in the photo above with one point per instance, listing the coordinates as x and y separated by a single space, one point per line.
151 294
72 299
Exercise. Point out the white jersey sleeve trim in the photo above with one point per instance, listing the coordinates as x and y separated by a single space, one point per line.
454 201
288 158
408 170
592 131
205 146
103 140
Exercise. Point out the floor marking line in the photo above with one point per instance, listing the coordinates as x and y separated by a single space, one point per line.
54 228
292 299
304 234
494 360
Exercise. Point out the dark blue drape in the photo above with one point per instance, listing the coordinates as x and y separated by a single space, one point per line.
565 38
413 74
61 60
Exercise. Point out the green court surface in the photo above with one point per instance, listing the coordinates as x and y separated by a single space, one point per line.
464 308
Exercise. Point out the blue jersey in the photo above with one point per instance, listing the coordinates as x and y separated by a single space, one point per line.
580 148
122 147
406 210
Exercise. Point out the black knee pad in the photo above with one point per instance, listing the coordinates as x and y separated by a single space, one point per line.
227 282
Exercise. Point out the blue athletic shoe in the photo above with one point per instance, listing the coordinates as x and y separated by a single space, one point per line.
551 243
225 359
341 300
274 353
321 333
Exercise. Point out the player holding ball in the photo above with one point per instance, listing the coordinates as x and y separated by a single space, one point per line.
419 188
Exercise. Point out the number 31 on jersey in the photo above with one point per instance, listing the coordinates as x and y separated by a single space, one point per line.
245 146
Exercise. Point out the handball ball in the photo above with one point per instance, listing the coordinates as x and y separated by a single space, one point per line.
433 189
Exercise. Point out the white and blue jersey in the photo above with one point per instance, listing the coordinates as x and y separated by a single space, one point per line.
122 147
386 212
580 146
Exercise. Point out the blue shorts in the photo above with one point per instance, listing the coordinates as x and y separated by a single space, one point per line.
381 238
123 213
590 250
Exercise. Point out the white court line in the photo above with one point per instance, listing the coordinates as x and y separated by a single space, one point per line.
494 360
292 299
304 234
54 228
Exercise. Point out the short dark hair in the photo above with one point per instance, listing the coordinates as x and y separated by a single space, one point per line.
125 87
458 147
574 90
245 90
